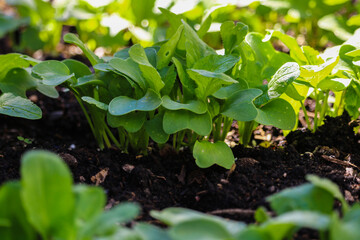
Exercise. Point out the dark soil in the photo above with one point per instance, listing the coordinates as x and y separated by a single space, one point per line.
166 179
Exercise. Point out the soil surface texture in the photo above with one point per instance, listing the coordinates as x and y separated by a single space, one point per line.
164 178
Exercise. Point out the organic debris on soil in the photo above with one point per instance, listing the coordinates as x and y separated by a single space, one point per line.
167 179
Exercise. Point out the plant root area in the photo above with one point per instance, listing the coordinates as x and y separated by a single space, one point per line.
164 178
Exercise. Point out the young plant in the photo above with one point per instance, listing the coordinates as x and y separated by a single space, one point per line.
15 80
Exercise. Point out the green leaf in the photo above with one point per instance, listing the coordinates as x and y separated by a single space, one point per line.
9 61
152 76
154 128
168 74
347 228
315 73
167 50
282 78
195 106
47 194
123 105
79 69
49 91
89 202
328 186
334 84
195 47
73 39
208 82
207 154
293 92
279 227
98 104
199 229
14 214
335 25
150 232
188 84
175 121
175 216
216 63
109 220
278 113
227 91
232 35
305 197
52 72
240 106
17 81
130 69
16 106
132 122
295 51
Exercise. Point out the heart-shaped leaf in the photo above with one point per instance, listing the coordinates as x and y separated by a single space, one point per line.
17 81
132 122
154 128
52 72
16 106
240 106
167 50
123 105
175 121
278 113
195 106
208 154
78 68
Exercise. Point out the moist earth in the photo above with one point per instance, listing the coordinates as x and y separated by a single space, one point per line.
164 178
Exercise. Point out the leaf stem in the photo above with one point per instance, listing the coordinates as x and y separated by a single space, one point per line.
306 115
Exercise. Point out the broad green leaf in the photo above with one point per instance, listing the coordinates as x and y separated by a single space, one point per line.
354 53
123 53
49 91
17 81
79 69
188 84
30 60
89 80
132 122
232 35
73 39
315 73
9 61
334 84
123 105
13 211
347 228
195 106
175 121
173 19
199 229
151 232
312 55
130 69
89 202
168 75
52 72
16 106
208 82
216 63
240 106
10 23
292 92
154 128
98 104
167 50
295 51
278 113
227 91
282 78
47 194
174 216
109 220
279 227
195 47
207 154
306 197
328 186
152 76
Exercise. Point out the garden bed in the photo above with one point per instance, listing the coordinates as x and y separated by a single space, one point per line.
166 179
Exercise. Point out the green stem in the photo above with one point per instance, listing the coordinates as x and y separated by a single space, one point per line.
226 128
324 107
106 140
245 131
112 137
306 115
316 119
174 140
217 129
340 104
